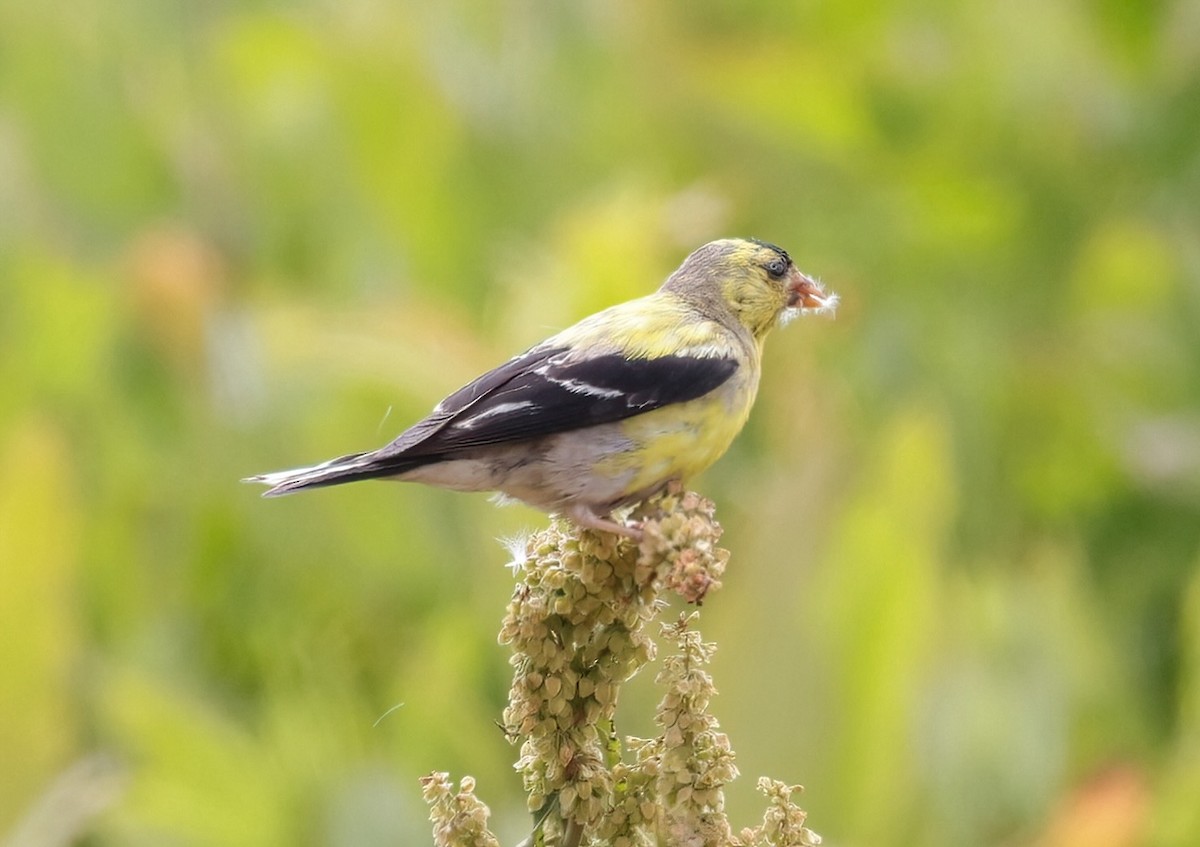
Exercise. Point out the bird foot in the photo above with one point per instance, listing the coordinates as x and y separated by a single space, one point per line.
584 517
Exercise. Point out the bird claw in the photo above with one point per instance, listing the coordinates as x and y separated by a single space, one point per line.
633 530
588 519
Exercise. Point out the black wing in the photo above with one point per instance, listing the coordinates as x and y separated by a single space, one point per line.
541 392
544 392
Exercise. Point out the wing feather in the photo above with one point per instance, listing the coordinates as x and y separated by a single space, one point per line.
541 392
546 391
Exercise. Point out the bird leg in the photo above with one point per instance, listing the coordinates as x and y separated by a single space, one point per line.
583 516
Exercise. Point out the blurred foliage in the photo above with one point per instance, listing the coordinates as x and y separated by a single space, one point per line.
964 600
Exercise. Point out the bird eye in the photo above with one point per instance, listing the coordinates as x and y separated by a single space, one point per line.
777 267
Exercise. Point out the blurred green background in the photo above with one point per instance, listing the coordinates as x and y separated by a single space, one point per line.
964 601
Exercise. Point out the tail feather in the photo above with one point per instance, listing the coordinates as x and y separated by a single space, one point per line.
351 468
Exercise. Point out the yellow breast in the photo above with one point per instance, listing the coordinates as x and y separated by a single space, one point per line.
680 441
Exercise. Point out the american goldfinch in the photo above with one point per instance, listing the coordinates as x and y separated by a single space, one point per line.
611 410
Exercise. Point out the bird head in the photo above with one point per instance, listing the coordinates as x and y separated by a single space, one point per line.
753 281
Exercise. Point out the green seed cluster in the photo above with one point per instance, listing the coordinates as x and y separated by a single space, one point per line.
577 625
635 814
691 761
459 817
783 822
577 628
679 546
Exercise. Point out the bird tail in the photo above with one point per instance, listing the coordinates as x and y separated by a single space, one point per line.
343 469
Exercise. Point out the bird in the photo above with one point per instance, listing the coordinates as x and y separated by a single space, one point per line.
610 411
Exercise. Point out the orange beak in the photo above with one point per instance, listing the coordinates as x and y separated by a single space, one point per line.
806 293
